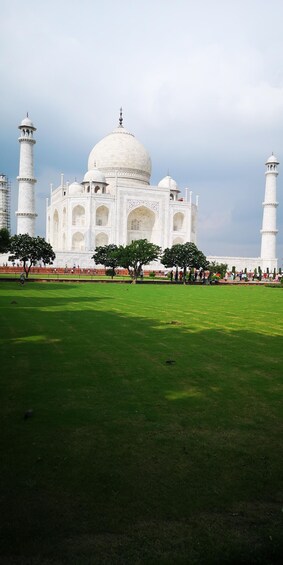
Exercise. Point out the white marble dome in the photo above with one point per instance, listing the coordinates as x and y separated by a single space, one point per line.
75 188
272 160
121 154
26 122
94 175
168 182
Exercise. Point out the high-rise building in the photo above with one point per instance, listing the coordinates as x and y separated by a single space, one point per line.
5 194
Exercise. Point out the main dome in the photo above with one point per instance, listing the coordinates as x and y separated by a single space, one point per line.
121 154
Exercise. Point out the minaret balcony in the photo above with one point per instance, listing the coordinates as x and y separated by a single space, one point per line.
26 214
26 138
27 179
269 231
274 204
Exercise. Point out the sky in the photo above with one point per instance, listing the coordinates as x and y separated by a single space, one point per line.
200 83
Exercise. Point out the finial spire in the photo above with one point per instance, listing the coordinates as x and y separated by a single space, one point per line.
121 118
27 114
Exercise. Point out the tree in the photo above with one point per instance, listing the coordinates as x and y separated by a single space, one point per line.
30 250
220 268
136 254
107 255
185 256
170 256
4 240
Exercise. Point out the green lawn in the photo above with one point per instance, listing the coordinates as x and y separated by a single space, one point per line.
128 459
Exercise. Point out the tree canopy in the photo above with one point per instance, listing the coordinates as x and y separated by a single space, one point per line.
30 250
220 268
4 240
107 255
137 254
184 256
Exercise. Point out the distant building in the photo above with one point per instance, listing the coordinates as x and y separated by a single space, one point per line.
5 194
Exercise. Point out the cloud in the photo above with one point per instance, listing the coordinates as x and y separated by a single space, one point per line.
201 85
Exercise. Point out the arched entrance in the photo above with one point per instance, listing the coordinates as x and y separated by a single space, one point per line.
78 216
178 221
78 242
101 240
140 224
55 229
102 214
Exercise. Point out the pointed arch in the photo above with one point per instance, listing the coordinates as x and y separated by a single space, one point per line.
177 240
64 220
101 239
78 215
102 215
141 223
55 234
78 242
178 221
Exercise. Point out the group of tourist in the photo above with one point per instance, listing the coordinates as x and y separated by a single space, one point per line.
192 275
252 276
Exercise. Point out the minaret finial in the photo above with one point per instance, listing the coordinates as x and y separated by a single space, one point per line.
121 118
27 114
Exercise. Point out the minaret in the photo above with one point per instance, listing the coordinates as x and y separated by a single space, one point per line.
26 200
269 231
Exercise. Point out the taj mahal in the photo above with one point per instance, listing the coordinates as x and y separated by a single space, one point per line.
115 203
